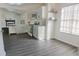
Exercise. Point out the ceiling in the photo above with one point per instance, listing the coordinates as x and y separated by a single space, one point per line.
22 7
55 7
28 7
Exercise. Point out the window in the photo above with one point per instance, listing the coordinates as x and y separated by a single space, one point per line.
70 19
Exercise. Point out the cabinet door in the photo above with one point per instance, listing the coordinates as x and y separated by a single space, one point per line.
41 33
12 29
35 31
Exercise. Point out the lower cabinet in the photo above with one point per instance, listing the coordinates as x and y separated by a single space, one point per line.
35 31
12 29
39 32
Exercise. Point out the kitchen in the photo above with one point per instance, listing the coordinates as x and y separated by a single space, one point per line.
14 22
34 29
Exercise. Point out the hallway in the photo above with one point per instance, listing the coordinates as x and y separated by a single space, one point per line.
24 45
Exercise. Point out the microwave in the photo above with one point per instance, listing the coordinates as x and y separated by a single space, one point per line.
10 22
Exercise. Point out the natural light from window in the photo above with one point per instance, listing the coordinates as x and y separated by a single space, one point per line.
70 19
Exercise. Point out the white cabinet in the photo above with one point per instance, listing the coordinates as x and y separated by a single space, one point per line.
35 31
39 32
12 29
3 23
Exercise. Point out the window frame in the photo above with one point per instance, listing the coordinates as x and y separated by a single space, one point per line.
72 19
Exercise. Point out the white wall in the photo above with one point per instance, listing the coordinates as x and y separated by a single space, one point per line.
5 15
50 28
42 14
28 17
12 29
25 27
2 24
2 51
65 37
18 28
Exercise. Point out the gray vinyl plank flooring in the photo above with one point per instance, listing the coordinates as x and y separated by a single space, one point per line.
24 45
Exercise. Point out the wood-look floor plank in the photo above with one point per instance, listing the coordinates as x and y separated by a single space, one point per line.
24 45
